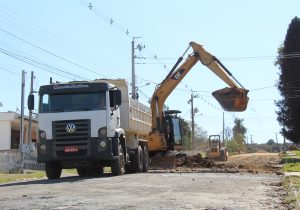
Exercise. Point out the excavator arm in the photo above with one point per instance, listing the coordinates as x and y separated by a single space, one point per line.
231 99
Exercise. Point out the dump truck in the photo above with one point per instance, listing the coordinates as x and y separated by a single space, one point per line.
88 125
76 131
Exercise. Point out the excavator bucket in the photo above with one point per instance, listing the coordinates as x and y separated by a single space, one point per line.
232 99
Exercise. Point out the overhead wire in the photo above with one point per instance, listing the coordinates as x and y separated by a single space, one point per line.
9 71
16 22
47 51
38 64
25 24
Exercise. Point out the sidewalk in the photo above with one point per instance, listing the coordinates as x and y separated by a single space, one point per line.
291 173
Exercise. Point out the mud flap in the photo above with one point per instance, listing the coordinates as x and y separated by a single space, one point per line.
232 99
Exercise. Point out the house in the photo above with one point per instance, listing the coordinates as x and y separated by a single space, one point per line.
10 124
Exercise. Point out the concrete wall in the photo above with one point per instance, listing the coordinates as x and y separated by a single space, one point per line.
10 161
5 135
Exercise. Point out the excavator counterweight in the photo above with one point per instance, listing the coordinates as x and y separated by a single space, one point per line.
232 99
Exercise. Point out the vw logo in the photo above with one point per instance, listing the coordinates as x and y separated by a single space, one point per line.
71 128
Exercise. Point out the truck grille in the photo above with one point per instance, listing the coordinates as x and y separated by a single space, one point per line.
79 138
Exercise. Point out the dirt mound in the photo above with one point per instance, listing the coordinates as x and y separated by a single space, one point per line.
255 162
247 163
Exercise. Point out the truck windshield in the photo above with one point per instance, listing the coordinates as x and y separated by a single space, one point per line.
72 102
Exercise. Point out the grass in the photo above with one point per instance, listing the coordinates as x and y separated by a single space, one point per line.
291 162
291 185
29 175
17 177
291 167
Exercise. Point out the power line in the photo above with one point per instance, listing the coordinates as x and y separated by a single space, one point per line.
111 21
13 21
246 58
5 69
262 88
104 17
38 64
44 50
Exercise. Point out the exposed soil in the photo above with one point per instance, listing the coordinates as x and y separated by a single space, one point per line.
167 186
261 162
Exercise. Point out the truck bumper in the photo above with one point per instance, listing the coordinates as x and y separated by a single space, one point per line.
71 151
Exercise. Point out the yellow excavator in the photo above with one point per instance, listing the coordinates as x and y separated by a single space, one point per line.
166 129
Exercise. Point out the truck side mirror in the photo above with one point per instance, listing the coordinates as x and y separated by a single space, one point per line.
30 102
115 98
118 97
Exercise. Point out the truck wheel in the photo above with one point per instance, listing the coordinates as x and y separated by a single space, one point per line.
118 165
146 159
53 170
137 160
82 172
90 171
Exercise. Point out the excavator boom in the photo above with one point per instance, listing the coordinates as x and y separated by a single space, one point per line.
232 98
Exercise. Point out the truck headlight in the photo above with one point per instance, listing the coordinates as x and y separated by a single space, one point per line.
102 132
43 147
43 134
102 144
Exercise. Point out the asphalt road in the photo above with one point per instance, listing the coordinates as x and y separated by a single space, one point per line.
147 191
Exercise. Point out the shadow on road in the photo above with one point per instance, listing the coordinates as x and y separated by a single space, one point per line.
65 179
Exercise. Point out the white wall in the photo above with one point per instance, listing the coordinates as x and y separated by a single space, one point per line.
5 135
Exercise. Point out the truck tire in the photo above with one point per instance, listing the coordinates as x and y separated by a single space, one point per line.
53 170
118 165
82 172
137 160
146 158
89 171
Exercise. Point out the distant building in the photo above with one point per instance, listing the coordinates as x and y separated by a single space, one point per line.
10 124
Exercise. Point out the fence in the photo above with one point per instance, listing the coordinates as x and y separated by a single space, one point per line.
10 161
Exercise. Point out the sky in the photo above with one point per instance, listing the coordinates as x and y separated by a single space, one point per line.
80 39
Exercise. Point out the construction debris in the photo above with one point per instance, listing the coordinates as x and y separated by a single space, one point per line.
244 163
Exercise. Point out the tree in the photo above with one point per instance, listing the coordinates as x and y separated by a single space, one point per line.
227 133
288 114
239 128
186 134
232 146
239 132
270 142
200 134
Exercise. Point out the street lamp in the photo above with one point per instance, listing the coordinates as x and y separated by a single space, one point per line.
137 88
148 83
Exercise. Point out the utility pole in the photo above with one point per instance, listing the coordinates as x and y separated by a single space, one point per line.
22 120
22 110
277 142
133 91
30 111
223 129
133 81
193 111
193 121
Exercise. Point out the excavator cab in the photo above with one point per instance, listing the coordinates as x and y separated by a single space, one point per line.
232 99
172 129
